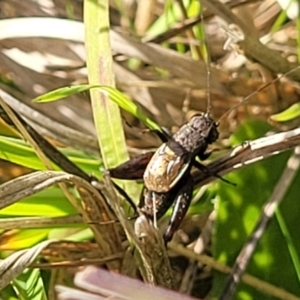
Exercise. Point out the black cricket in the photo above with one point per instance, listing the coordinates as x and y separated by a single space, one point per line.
166 172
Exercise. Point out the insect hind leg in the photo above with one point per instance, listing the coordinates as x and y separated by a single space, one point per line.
181 205
126 197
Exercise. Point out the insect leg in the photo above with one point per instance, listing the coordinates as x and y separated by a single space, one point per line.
204 169
164 134
126 197
162 203
133 169
181 205
205 155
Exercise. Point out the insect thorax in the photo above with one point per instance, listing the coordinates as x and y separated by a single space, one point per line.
195 135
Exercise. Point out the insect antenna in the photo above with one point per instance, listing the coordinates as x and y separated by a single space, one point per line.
206 57
208 108
247 98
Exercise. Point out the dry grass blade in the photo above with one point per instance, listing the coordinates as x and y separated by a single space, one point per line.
13 266
194 71
86 190
27 185
43 148
42 49
93 209
79 263
251 152
73 254
149 244
153 250
13 119
70 250
96 214
251 44
37 222
131 47
50 128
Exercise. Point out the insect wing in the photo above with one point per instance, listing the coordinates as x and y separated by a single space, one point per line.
164 170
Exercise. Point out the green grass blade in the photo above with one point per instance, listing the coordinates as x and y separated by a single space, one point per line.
30 285
18 152
114 95
289 114
100 71
289 242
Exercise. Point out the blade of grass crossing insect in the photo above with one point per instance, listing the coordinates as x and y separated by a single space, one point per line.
99 62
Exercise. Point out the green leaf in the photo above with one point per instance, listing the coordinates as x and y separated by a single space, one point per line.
8 293
250 130
24 238
48 203
30 285
169 17
72 234
63 92
17 151
114 95
287 115
125 103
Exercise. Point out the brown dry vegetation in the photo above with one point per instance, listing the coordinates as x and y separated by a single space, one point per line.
167 85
